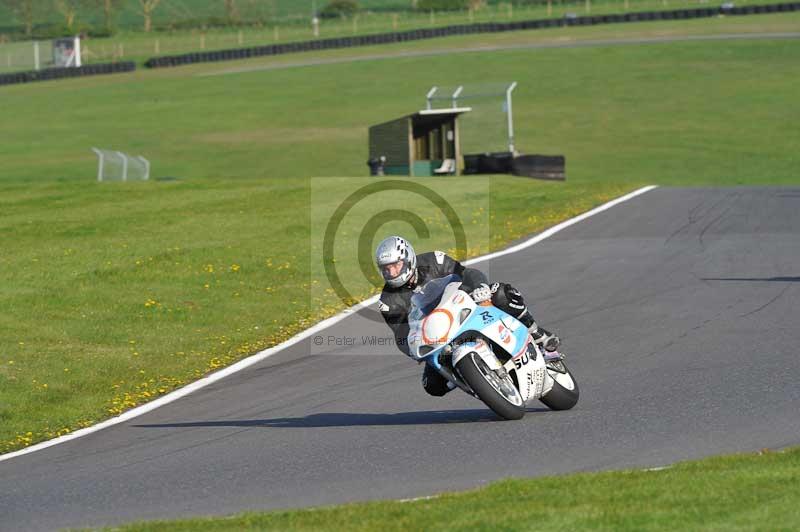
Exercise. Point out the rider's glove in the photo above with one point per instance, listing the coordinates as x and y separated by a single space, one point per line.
482 293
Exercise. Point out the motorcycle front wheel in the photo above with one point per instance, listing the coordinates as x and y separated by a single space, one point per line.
498 393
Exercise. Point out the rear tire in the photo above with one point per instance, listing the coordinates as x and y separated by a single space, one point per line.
473 376
560 397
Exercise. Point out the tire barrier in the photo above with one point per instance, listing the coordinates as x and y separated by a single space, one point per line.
463 29
47 74
551 167
489 163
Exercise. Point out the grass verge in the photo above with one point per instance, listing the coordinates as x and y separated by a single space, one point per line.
117 293
744 492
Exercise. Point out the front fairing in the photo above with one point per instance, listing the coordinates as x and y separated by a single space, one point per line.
455 314
430 332
506 332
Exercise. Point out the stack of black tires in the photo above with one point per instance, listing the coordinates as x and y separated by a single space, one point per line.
551 167
47 74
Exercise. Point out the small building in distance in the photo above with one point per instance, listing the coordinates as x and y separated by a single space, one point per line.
425 143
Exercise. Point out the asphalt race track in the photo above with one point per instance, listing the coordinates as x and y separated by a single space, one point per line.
679 311
502 47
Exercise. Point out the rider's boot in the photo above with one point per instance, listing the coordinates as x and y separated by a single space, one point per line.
546 340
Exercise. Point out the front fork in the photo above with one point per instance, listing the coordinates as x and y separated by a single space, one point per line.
448 371
478 346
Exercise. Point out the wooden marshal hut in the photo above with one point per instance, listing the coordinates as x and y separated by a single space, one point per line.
425 143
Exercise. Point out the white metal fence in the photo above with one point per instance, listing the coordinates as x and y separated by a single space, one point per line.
27 55
36 55
119 166
489 125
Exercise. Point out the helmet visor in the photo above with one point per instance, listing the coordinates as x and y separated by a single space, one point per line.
393 269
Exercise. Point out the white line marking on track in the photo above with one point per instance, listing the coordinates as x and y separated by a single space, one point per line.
415 499
258 357
661 468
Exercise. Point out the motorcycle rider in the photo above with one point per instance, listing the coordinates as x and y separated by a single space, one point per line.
405 272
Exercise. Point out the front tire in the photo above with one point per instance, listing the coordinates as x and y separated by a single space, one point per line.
474 371
561 397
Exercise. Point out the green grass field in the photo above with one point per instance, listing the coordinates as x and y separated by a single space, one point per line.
117 293
139 46
746 492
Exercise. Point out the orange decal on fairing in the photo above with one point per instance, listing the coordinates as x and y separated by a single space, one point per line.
505 333
443 338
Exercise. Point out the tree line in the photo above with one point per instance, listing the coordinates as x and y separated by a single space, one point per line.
28 12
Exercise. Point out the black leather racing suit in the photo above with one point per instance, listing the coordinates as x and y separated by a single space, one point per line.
395 304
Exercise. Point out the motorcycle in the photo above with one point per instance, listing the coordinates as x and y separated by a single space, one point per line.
485 352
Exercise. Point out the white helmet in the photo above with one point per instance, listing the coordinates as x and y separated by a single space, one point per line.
396 260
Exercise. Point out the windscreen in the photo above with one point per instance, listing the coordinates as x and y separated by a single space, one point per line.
424 302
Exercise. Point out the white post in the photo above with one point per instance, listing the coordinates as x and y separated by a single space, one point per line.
77 48
510 117
36 54
146 164
456 94
99 164
430 95
124 165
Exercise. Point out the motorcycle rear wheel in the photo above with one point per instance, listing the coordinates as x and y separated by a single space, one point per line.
490 388
562 397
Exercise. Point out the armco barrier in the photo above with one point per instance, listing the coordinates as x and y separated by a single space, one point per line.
61 73
463 29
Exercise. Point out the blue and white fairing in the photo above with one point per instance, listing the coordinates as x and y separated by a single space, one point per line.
442 313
